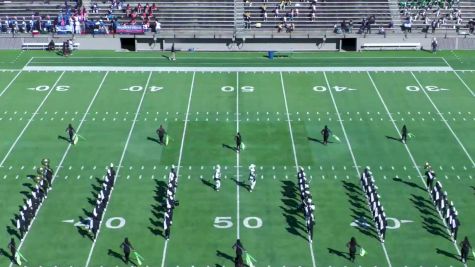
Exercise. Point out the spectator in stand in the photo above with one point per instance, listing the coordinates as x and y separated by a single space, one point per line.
471 26
313 16
280 27
350 26
276 12
158 26
247 20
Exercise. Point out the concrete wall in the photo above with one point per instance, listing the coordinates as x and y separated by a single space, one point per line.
145 43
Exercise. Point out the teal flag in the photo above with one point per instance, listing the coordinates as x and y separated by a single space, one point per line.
138 257
362 252
336 138
249 260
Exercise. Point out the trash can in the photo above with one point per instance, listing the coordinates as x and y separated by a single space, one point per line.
270 54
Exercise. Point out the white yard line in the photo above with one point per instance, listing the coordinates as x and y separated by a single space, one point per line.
11 82
456 74
61 163
465 84
351 152
119 167
30 120
181 153
412 159
238 233
235 69
295 157
444 120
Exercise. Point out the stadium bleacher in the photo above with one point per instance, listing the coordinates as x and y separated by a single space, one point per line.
301 15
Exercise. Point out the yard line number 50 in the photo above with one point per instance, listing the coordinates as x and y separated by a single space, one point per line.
248 222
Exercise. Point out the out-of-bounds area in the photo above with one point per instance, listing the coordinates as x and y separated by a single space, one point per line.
116 102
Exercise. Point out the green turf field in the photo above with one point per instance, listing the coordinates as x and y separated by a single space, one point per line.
280 112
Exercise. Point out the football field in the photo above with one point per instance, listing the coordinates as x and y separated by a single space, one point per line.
116 103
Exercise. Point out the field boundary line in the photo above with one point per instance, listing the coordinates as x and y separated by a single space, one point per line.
31 119
10 83
61 162
119 167
180 154
352 155
412 159
237 69
295 157
444 120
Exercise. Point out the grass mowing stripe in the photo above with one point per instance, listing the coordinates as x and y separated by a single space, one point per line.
61 162
295 156
443 119
11 82
30 120
180 154
351 152
119 167
412 159
237 161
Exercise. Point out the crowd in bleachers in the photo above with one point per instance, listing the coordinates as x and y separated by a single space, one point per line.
433 14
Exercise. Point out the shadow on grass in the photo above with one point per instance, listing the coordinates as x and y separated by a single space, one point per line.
241 184
317 140
116 255
360 209
221 254
7 255
393 138
13 232
158 208
411 184
154 140
208 183
429 216
230 147
447 254
64 138
291 210
339 253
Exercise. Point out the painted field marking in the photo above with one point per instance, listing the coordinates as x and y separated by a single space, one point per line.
180 154
352 154
295 157
413 160
445 121
29 121
118 169
61 161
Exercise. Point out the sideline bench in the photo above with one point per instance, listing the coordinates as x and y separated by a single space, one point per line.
44 46
391 46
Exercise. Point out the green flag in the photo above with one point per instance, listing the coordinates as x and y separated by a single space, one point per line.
167 139
473 252
138 257
411 135
249 260
80 136
336 138
75 139
362 252
19 257
243 146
